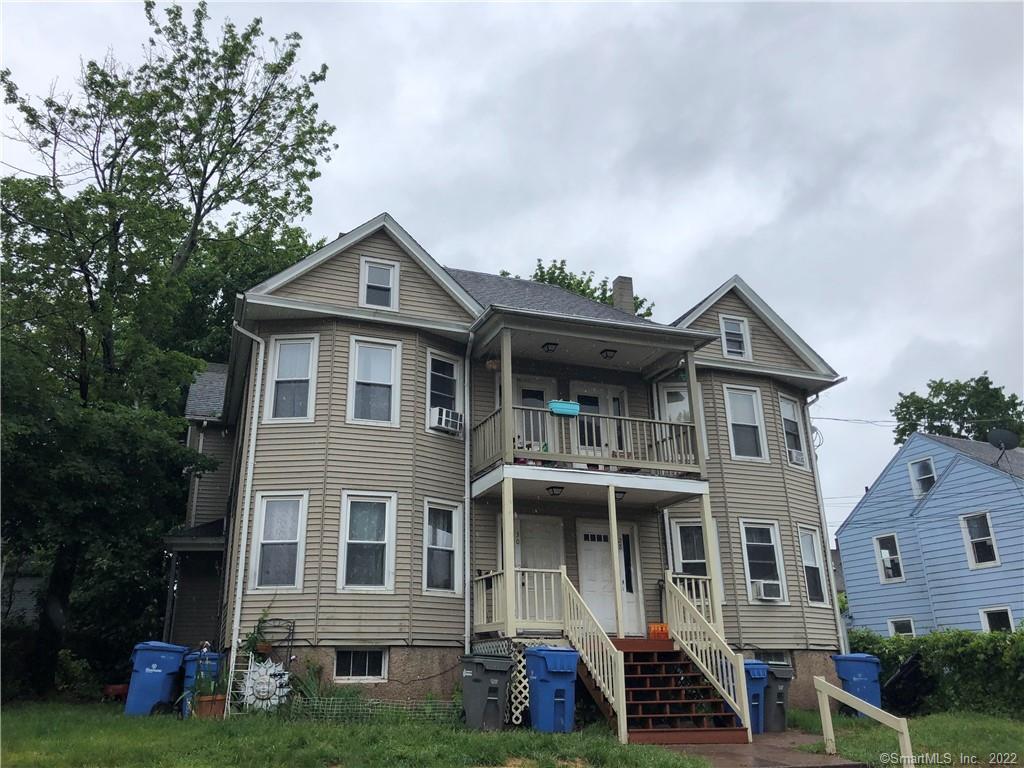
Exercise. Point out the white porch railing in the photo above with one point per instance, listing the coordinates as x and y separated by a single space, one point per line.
489 602
707 649
538 598
604 661
698 590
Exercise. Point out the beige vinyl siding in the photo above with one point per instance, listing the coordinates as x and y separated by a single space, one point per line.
329 456
767 347
208 492
336 282
772 491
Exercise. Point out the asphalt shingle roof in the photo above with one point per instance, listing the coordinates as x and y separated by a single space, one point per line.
1011 462
517 293
206 395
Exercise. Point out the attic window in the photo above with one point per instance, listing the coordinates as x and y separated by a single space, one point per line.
922 476
378 283
735 337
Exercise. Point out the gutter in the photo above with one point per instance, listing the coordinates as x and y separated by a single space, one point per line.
844 643
246 499
467 513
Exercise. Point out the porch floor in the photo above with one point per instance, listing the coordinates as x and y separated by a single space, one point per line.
768 750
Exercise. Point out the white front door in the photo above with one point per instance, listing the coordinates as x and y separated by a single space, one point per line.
532 429
597 436
596 579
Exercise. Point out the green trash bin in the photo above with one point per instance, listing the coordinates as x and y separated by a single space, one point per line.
485 690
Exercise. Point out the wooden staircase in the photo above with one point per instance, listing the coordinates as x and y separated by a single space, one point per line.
669 700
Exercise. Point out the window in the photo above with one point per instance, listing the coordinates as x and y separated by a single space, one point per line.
367 551
361 665
735 337
762 559
793 431
746 423
378 281
922 476
280 532
442 547
676 404
772 657
290 395
901 627
814 569
444 374
887 555
374 381
979 541
997 619
692 561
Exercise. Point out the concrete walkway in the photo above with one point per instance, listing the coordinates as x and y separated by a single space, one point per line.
769 750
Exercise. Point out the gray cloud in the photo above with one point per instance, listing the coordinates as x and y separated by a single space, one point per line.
859 165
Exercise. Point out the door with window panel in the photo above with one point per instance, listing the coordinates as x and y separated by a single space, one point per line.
533 429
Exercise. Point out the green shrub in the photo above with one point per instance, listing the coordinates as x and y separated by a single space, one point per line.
969 671
75 677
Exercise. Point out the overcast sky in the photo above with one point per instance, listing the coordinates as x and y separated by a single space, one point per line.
859 165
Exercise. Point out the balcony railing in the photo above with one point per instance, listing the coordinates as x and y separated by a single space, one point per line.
609 443
538 600
698 590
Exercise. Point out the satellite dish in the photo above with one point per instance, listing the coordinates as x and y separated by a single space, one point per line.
1004 439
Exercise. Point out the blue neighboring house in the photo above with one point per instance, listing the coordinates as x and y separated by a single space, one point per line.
938 540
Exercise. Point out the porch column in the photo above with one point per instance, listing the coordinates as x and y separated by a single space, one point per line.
169 609
613 539
693 390
508 428
508 556
712 556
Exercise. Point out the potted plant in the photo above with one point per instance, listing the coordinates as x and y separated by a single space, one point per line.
256 641
210 696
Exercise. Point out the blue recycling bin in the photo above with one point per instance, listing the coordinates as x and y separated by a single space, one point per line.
155 676
551 672
757 681
860 673
205 663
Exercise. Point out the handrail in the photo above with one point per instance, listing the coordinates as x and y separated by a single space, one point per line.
538 597
707 650
605 662
698 590
488 601
823 689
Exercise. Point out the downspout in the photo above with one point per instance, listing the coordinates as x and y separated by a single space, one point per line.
198 475
844 643
247 498
467 513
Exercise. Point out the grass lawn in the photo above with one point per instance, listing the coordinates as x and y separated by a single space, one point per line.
955 734
62 735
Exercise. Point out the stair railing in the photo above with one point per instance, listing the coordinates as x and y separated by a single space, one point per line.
707 650
605 662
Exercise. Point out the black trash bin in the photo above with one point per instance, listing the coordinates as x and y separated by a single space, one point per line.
485 690
776 697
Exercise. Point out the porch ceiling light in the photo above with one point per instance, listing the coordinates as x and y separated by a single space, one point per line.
620 495
549 346
608 354
555 490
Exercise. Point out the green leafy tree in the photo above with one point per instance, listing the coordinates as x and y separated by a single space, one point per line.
159 191
583 283
967 409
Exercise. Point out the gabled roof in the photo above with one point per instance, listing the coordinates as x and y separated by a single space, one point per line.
516 293
1011 462
206 395
767 314
405 241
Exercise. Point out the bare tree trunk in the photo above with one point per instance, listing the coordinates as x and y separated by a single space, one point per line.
53 617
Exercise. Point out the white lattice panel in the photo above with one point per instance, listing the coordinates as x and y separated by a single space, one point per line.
518 684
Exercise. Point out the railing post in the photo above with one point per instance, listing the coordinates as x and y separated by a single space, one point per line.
508 549
620 697
505 403
693 390
826 721
613 538
707 524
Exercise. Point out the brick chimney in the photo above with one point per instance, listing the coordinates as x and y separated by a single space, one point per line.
622 294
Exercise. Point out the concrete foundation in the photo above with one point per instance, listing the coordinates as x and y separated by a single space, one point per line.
808 665
414 673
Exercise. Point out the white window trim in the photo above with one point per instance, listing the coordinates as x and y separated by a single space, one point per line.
913 478
396 382
677 558
271 382
257 540
971 563
820 554
779 562
395 267
356 680
806 465
389 541
878 559
983 615
457 523
747 352
765 458
892 628
459 405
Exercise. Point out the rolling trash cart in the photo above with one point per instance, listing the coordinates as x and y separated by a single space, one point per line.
485 691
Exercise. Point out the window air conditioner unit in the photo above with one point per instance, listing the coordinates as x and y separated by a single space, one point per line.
444 420
795 456
766 590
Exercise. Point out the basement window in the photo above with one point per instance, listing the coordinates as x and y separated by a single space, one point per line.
361 665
